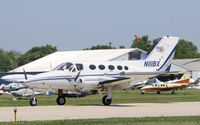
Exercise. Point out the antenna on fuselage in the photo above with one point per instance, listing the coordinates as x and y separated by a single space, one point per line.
50 66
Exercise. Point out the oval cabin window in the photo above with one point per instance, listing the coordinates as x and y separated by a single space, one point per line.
101 67
119 67
92 67
111 67
126 67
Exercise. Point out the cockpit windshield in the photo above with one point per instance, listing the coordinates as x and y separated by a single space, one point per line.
65 66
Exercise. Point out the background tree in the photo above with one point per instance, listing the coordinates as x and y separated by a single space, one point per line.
144 44
14 55
121 47
186 50
35 53
6 62
100 47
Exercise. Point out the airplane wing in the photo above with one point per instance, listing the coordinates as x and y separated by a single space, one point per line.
117 83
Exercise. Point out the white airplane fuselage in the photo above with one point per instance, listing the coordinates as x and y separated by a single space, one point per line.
108 76
89 78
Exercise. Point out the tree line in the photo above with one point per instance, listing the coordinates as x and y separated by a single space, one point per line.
185 49
11 59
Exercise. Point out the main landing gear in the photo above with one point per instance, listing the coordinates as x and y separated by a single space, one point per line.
158 92
173 91
107 99
61 98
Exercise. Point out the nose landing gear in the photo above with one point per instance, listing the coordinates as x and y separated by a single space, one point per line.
33 101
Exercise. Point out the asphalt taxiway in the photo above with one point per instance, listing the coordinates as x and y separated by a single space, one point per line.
29 113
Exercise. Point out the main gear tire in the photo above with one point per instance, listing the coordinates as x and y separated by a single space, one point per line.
106 101
61 100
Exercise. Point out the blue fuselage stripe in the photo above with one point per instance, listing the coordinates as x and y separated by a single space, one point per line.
69 77
168 58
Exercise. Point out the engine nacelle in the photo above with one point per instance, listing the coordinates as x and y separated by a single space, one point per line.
87 83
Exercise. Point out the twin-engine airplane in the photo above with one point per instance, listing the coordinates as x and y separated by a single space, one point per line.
108 76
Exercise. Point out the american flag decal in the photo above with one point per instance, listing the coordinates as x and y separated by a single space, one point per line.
159 49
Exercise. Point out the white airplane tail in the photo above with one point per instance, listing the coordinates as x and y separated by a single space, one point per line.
162 54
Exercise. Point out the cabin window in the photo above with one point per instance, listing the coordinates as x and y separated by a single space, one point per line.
92 67
119 67
79 66
64 66
101 67
111 67
126 67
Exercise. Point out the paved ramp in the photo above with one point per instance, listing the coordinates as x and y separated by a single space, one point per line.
99 111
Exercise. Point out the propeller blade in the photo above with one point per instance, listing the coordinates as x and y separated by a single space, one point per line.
25 75
77 76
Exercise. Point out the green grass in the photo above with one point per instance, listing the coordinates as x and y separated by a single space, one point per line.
182 120
130 96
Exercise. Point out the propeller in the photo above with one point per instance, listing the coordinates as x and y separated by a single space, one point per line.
25 75
75 82
77 76
75 79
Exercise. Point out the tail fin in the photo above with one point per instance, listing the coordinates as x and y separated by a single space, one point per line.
162 54
185 76
184 79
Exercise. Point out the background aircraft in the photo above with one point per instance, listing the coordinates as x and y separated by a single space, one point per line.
1 89
161 77
171 85
18 90
195 84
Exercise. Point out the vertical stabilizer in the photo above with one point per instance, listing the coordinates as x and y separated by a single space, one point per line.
185 76
162 54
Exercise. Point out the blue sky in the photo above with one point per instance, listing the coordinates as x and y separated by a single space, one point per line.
78 24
